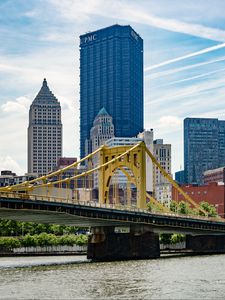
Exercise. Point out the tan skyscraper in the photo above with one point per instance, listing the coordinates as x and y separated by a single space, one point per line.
163 189
44 132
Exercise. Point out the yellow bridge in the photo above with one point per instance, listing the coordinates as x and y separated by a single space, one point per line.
121 225
103 167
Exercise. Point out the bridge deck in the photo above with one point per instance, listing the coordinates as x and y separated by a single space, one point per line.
92 214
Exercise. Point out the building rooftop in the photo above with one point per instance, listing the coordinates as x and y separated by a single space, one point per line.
45 96
102 111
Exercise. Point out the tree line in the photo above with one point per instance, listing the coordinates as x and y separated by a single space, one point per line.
183 208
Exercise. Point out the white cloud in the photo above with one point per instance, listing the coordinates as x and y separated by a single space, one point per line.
169 121
20 105
132 12
9 163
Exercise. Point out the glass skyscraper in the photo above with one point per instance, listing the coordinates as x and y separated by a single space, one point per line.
111 76
204 147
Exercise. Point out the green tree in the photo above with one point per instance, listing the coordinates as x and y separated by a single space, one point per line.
209 208
165 238
177 238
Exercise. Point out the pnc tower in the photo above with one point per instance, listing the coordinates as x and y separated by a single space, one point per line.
44 132
111 76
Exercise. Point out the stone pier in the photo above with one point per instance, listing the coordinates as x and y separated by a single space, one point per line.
206 243
122 243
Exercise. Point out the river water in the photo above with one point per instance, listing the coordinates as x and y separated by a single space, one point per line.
73 277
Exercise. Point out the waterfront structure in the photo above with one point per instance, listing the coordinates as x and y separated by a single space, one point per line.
111 76
44 132
204 147
34 201
213 193
215 175
163 189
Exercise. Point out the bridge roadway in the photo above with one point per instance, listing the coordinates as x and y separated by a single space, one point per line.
30 209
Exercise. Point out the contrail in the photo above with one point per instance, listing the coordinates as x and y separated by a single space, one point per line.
190 78
168 62
174 71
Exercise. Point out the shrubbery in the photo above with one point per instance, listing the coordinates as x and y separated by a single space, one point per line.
43 239
15 228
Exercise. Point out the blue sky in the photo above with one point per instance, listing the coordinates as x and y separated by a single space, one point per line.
184 60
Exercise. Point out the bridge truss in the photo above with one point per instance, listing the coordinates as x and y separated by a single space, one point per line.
97 178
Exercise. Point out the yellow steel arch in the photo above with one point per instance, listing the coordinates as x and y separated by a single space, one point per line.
133 160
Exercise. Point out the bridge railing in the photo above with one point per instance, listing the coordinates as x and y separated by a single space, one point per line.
44 198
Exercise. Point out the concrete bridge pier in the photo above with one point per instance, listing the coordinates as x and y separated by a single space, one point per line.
206 243
112 243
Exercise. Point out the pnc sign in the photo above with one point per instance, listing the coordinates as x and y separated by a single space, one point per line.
89 38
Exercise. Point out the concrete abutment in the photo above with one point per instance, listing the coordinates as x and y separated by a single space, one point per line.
121 243
206 243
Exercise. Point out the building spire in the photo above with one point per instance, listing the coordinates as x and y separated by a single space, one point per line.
45 95
44 83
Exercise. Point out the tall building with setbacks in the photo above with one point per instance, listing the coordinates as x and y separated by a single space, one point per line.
111 76
44 132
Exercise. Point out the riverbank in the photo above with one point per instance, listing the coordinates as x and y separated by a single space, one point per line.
45 251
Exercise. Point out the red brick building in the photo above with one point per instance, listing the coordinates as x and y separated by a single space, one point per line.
212 193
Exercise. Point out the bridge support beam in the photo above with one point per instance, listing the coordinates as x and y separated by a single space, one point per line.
206 243
122 243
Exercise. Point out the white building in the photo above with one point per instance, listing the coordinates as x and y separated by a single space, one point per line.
102 130
163 189
147 137
44 132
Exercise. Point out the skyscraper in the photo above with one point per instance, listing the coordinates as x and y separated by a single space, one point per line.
163 189
204 147
102 130
44 132
111 76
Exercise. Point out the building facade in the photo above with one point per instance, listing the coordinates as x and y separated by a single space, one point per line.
213 193
204 147
7 177
147 137
162 188
102 130
179 177
215 175
111 76
44 132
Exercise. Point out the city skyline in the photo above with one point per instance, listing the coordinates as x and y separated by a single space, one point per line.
184 63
